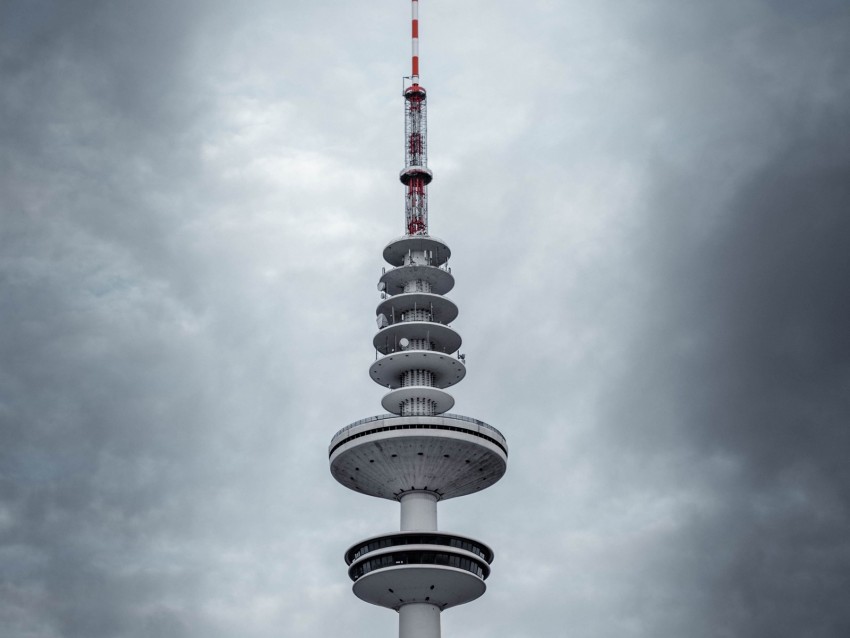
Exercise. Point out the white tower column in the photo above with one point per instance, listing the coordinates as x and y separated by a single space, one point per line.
418 620
419 512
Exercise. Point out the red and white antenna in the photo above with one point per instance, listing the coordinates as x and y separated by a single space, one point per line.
415 175
415 19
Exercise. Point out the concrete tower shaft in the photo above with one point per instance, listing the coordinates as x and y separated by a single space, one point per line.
417 453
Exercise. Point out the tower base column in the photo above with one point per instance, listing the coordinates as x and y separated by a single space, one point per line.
418 620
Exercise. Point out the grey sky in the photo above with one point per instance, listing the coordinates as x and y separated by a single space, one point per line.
648 208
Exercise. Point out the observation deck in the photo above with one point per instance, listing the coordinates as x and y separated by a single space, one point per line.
437 568
388 456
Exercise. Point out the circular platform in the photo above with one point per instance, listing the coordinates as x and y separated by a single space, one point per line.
414 90
441 280
443 338
447 455
415 172
387 370
392 400
442 310
436 249
394 585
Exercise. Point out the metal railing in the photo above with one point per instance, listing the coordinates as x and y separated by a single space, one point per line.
381 417
444 267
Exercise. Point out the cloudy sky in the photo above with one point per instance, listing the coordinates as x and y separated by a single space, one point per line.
649 208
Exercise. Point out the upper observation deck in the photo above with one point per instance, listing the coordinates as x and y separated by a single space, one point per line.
388 456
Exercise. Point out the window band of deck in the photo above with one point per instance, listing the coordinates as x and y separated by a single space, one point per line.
400 540
423 557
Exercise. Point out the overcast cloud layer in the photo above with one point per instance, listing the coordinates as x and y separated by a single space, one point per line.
649 208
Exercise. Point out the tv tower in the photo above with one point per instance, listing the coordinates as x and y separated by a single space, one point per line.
417 454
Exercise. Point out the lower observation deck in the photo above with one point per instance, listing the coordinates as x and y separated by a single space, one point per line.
448 455
437 568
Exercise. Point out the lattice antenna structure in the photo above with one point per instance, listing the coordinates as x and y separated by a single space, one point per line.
417 453
415 176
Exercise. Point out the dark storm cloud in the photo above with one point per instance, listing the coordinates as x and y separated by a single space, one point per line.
746 354
767 302
759 361
98 402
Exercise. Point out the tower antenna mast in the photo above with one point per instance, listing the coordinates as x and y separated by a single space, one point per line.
415 176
